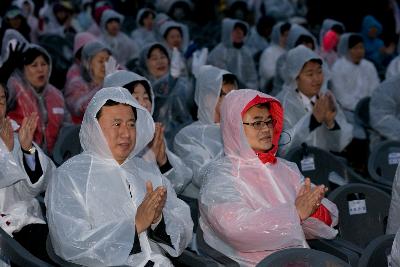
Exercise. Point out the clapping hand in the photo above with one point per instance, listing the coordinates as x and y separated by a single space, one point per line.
27 131
7 133
309 199
157 145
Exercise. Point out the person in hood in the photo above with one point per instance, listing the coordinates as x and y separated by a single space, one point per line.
200 142
253 203
270 55
80 40
173 95
58 19
311 113
259 35
144 34
30 92
81 88
123 48
107 206
14 19
24 174
28 8
353 77
157 151
329 35
231 54
384 111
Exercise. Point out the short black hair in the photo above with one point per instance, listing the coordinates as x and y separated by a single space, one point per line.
131 87
113 19
110 103
32 53
173 28
316 60
159 46
285 27
145 15
305 39
354 40
241 26
229 79
338 28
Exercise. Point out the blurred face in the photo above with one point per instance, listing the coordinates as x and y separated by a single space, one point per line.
26 8
237 35
148 22
118 126
157 63
141 95
357 53
226 88
174 38
259 139
310 79
373 32
97 67
2 103
283 39
15 23
113 27
37 73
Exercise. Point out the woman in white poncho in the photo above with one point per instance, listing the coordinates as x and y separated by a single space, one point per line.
98 210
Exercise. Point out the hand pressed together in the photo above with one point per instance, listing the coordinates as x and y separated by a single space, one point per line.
309 199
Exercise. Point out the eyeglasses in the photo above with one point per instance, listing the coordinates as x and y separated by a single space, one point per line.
258 125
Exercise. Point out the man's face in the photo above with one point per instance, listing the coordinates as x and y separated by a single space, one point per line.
226 88
310 79
237 35
118 126
357 53
259 139
174 38
113 27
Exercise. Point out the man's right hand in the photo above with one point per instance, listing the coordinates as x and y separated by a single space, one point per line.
7 133
148 210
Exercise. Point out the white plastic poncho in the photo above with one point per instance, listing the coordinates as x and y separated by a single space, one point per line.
395 254
18 203
270 56
180 175
123 47
394 212
200 142
327 25
297 118
91 213
248 208
11 36
141 35
352 82
238 61
384 109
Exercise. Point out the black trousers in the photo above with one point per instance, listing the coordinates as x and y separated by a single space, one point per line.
33 238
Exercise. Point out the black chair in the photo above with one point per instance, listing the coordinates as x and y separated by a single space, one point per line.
208 251
362 112
325 168
383 162
363 210
376 253
17 254
67 144
301 257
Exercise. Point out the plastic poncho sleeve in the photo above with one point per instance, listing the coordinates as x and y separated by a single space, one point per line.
238 223
77 96
78 240
180 175
10 173
394 211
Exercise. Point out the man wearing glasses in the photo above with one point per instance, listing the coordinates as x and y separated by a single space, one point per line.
253 203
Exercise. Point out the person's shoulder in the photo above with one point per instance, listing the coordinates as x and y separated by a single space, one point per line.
78 162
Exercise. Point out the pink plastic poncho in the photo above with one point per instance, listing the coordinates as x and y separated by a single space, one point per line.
248 208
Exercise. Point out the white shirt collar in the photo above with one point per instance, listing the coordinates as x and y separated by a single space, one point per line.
307 101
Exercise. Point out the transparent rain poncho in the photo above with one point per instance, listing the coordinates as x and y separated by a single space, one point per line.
141 35
239 61
10 37
248 208
327 25
395 254
327 53
92 200
270 55
394 212
297 118
180 175
123 48
200 142
384 109
352 82
18 203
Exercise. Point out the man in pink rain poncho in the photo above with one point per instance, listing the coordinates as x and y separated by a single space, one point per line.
251 202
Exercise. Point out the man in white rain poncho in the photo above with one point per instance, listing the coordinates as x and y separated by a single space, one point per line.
394 212
200 142
311 115
252 203
232 55
24 173
157 151
102 210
